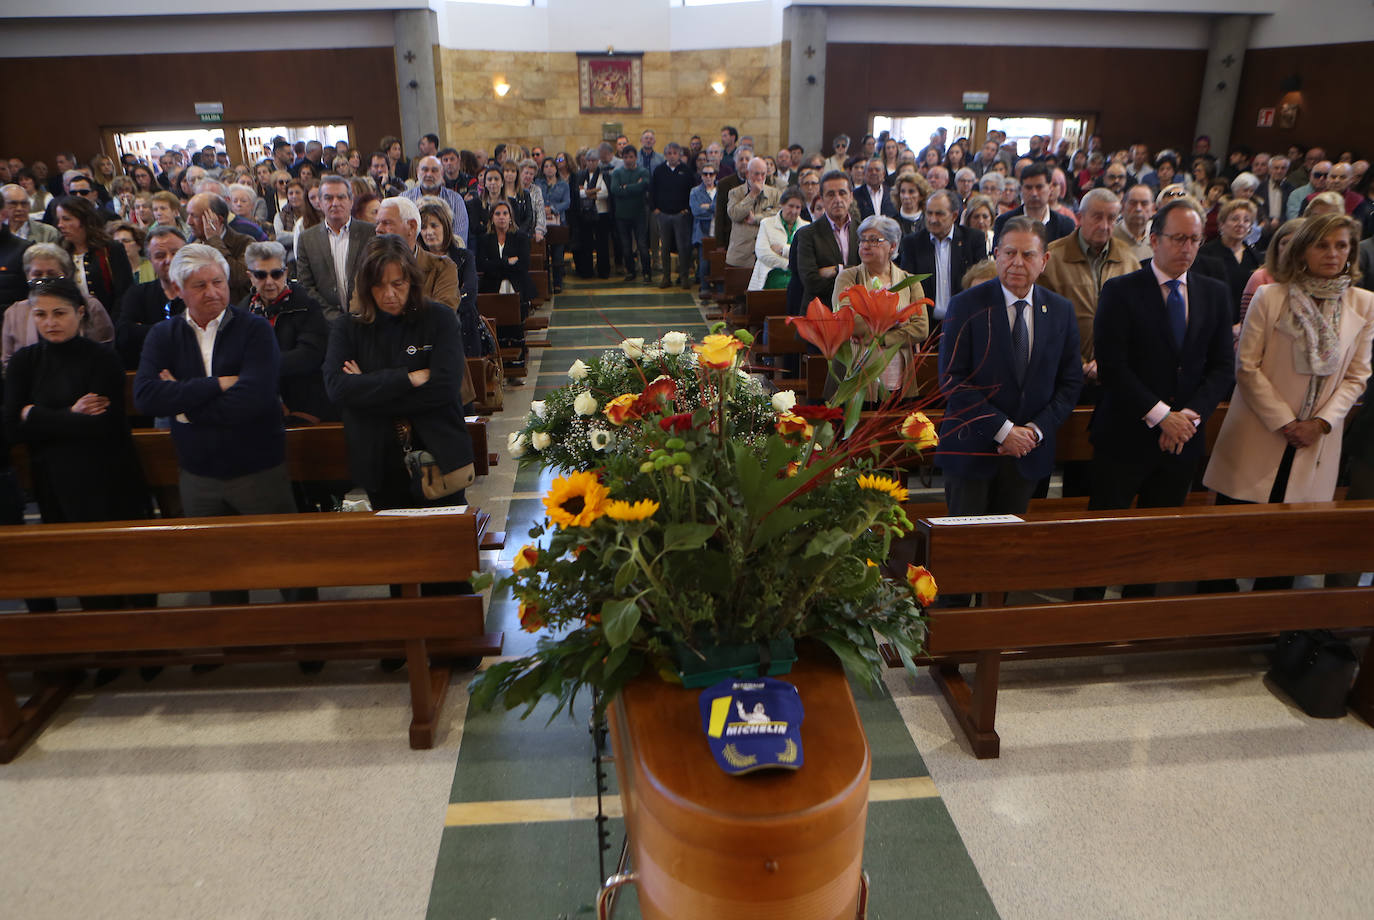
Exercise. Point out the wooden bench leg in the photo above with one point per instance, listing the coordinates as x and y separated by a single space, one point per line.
18 724
428 687
975 707
1362 694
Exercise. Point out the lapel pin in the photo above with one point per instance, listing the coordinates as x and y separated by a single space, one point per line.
1044 309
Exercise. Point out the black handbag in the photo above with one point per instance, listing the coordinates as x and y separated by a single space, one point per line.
1316 670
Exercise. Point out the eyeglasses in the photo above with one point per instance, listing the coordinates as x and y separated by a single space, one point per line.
1319 175
37 284
1183 239
707 173
276 273
871 241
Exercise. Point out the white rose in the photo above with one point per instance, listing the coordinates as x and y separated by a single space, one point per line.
674 343
784 401
585 404
578 371
516 444
540 440
601 439
538 408
633 348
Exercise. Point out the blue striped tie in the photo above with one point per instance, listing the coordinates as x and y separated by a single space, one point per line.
1178 314
1020 354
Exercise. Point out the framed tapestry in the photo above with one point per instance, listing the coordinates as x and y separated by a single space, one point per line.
611 83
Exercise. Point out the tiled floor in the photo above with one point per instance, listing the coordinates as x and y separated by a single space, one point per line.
1160 786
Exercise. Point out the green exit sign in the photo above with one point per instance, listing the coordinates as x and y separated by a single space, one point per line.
975 102
211 116
210 112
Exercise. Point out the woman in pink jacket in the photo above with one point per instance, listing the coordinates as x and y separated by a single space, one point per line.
1302 361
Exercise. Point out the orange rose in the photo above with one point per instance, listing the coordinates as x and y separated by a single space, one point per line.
793 428
718 351
922 584
531 620
920 431
527 557
622 409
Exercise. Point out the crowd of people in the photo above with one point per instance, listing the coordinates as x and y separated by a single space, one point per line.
316 284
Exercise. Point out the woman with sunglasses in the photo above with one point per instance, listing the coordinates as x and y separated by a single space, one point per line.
302 334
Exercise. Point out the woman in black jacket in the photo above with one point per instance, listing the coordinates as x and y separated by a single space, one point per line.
102 266
64 398
398 359
503 258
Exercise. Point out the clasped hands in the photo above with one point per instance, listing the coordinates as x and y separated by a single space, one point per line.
1303 433
1020 441
1176 429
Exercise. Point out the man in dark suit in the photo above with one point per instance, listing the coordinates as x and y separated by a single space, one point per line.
829 243
874 197
1164 359
1010 371
942 249
328 254
1035 204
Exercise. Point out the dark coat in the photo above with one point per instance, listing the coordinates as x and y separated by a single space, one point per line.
13 285
495 268
387 350
302 336
917 255
865 203
1139 365
142 307
1056 227
815 247
1236 273
84 467
979 382
108 275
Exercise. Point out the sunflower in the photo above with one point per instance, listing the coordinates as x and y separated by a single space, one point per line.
625 511
577 500
884 485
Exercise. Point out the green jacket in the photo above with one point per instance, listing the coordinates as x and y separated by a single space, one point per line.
628 187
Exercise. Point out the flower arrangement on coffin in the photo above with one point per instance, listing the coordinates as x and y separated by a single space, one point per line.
571 429
697 532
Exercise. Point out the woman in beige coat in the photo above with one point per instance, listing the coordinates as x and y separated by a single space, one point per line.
879 238
1302 361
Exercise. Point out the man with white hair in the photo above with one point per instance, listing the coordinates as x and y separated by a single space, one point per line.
747 206
1137 208
400 216
15 215
214 372
429 173
964 181
1083 261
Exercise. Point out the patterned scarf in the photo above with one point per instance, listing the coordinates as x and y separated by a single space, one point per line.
1314 315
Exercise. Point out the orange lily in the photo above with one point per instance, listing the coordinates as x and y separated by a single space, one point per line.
879 308
824 328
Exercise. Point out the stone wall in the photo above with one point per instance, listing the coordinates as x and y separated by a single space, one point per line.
542 105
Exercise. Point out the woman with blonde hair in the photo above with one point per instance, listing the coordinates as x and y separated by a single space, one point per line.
1303 360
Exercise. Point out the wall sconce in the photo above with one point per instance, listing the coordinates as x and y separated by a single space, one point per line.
501 87
718 87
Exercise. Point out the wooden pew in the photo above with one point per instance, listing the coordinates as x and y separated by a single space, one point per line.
1059 550
783 340
504 311
758 306
188 555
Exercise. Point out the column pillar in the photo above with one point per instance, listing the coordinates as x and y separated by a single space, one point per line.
1221 81
417 35
804 27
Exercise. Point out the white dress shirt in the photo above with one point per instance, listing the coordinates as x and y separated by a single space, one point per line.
1011 300
205 338
338 249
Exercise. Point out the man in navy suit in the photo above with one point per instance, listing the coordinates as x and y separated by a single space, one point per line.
1011 372
941 248
1165 359
1035 204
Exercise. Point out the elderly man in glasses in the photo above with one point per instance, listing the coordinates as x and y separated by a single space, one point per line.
298 322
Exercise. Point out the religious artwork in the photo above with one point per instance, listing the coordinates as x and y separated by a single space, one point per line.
611 83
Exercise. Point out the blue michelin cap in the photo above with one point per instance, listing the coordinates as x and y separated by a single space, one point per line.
753 724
